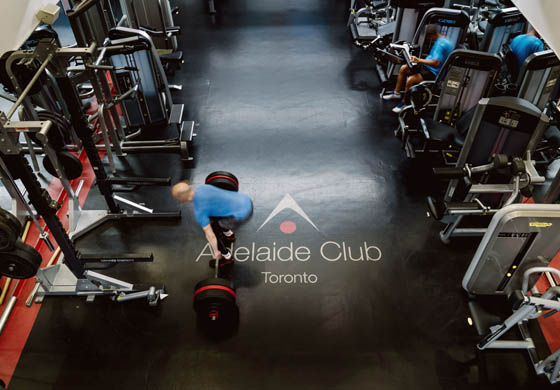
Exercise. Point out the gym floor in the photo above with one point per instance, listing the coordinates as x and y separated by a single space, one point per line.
291 107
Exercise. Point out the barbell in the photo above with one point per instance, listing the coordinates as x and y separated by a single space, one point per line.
215 298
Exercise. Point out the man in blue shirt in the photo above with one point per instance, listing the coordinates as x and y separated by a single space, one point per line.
218 212
524 45
429 67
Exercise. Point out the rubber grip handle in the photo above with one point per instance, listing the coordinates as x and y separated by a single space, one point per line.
451 173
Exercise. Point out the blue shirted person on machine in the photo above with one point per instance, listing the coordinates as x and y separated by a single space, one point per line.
440 51
218 212
428 70
524 45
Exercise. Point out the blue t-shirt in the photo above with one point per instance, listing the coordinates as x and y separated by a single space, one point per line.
525 45
210 201
441 49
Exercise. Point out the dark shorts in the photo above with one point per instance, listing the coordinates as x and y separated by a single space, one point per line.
229 223
426 73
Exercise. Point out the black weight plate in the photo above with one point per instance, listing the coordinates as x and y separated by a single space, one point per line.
214 302
218 281
56 132
23 73
8 236
20 263
60 119
224 180
12 220
71 165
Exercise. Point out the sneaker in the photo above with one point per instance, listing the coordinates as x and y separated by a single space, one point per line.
223 263
229 236
392 96
398 108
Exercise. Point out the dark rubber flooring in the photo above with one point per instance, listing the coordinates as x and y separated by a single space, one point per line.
291 107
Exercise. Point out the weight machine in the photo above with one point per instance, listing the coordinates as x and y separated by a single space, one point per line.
73 277
451 23
514 253
500 125
154 17
465 78
128 61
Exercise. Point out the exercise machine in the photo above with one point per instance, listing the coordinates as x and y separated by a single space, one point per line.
500 125
373 19
514 253
465 78
154 17
73 276
129 62
451 23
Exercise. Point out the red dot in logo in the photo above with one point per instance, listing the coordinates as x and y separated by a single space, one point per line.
287 227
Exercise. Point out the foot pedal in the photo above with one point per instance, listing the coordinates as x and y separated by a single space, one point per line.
482 320
186 141
462 206
176 115
436 208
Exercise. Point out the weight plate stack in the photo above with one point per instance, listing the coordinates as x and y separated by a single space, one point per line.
215 303
10 230
71 165
224 180
22 262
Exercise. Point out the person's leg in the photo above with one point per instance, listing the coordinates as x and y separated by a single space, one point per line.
228 225
413 80
227 257
404 71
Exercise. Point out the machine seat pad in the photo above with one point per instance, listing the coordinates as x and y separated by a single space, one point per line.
439 131
176 56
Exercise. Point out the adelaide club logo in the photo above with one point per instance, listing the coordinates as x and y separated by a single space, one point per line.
288 227
272 253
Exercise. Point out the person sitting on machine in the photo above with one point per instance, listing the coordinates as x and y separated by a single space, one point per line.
218 212
428 69
526 44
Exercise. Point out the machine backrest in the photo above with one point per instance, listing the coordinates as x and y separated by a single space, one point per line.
450 22
465 78
538 78
501 26
519 237
506 125
408 14
151 108
153 14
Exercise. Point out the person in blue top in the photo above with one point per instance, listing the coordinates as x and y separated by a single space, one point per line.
524 45
218 212
429 67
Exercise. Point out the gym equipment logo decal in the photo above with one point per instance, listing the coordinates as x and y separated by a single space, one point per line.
288 227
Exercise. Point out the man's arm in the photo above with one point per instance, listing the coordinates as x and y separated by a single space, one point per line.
435 62
212 240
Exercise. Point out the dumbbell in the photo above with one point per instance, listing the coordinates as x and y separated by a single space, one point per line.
215 298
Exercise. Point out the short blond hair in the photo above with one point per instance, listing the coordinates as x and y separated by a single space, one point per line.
182 191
